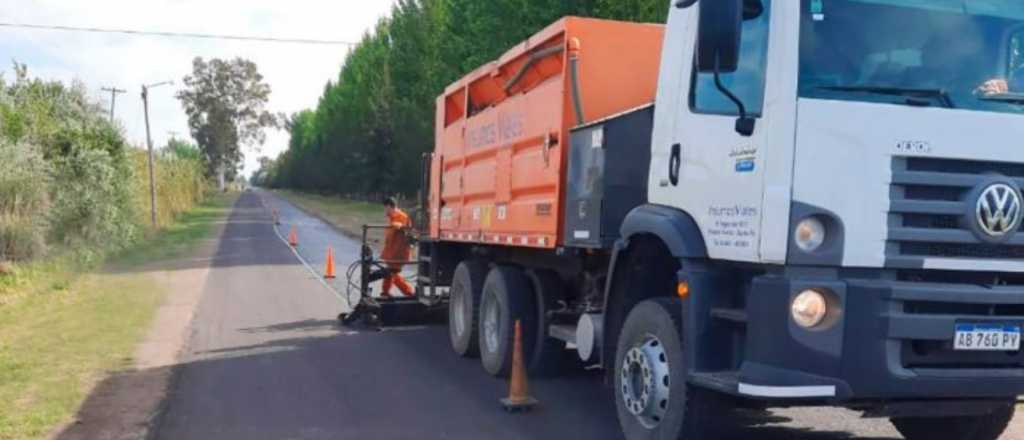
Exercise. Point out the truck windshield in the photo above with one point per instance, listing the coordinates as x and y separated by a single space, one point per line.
944 53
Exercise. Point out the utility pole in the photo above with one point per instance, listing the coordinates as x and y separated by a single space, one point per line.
149 143
113 98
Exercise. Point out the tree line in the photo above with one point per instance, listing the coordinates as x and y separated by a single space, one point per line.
372 124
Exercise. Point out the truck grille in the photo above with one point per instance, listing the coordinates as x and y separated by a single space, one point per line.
928 212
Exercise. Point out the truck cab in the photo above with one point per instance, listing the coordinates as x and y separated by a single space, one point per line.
838 185
821 207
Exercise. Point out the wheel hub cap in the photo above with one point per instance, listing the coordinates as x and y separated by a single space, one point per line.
645 381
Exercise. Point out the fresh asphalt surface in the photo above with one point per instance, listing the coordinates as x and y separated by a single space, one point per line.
267 360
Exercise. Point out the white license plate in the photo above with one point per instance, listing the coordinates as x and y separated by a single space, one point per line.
987 337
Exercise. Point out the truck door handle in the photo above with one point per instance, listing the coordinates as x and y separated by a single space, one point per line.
550 140
674 161
547 149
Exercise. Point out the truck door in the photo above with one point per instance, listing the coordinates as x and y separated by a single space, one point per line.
701 163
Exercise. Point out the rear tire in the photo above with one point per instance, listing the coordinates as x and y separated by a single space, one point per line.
504 301
652 396
463 306
986 427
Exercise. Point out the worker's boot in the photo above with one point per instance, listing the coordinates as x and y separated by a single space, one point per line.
404 287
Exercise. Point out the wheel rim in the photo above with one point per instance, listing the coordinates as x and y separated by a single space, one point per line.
644 379
459 308
491 327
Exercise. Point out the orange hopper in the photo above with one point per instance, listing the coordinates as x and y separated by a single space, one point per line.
503 131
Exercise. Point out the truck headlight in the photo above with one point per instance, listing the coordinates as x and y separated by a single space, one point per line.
809 234
809 308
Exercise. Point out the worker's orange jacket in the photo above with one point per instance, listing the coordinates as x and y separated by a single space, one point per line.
396 241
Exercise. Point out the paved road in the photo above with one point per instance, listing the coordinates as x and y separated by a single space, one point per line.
267 361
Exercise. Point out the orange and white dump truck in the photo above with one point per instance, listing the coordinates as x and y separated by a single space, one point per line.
762 203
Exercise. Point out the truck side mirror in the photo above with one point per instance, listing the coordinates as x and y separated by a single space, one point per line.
719 33
719 28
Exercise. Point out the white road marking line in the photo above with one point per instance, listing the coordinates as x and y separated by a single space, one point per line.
347 307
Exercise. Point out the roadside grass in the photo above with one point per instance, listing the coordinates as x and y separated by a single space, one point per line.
180 237
73 329
29 278
347 215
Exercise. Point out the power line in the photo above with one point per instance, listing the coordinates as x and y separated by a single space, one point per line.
176 34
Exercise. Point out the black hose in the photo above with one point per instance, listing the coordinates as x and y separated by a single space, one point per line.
534 57
574 78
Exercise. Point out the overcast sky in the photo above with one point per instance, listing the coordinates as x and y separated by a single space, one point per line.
296 73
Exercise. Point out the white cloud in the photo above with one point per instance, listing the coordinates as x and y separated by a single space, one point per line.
296 73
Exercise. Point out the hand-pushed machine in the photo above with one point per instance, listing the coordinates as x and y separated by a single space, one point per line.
392 310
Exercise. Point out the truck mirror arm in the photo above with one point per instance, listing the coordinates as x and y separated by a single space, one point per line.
745 124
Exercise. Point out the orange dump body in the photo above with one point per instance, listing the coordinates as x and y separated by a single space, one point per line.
502 132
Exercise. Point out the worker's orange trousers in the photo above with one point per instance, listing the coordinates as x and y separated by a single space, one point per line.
395 278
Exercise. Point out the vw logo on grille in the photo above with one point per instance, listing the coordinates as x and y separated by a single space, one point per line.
998 210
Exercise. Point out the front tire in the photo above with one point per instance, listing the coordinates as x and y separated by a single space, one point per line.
652 396
463 306
986 427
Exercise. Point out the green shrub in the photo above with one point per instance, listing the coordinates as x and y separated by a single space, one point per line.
92 208
24 200
20 238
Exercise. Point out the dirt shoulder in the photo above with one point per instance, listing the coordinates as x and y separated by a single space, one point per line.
125 404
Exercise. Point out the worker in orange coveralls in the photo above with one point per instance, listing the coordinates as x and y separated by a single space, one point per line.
397 249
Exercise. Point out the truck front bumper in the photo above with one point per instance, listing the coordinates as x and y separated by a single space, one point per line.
894 340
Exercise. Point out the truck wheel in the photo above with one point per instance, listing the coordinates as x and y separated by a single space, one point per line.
545 356
463 305
986 427
651 394
504 301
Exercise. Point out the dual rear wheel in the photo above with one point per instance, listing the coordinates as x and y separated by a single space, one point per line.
484 306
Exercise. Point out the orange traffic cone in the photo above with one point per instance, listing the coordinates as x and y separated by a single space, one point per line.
329 266
518 391
293 238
